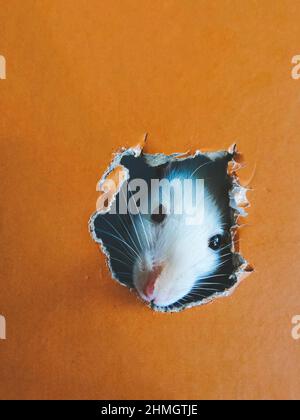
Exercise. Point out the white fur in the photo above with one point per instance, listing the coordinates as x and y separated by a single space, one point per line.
180 248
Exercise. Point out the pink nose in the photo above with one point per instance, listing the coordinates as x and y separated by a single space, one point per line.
149 287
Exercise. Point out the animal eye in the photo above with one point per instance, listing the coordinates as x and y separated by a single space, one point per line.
215 242
159 214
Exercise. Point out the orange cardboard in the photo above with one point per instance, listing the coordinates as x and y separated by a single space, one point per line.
82 80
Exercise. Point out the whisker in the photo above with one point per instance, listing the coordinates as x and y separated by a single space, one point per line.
132 196
119 239
124 226
225 255
127 231
128 256
199 167
223 263
199 283
202 259
132 221
120 261
209 283
211 277
117 232
195 295
206 288
231 243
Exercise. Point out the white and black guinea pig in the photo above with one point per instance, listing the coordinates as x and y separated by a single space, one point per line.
171 262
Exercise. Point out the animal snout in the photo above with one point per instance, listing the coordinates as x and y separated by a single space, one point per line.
151 280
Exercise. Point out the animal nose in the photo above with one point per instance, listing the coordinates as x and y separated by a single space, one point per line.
149 288
150 284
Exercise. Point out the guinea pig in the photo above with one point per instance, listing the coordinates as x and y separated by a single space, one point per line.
173 259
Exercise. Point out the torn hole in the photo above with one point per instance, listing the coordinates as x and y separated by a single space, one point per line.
168 225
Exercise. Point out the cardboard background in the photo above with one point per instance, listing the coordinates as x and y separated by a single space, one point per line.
83 79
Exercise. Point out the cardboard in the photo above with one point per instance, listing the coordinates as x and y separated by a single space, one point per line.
86 78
